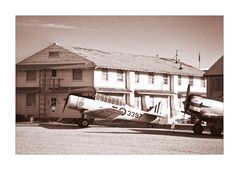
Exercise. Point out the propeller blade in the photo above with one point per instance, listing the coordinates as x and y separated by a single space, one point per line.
187 95
66 101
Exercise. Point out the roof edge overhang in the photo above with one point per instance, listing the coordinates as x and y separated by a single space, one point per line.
112 90
148 71
154 92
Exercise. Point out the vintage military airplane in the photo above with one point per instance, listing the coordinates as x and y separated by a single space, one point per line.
106 107
204 109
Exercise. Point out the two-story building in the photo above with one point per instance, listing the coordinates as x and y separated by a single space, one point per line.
44 79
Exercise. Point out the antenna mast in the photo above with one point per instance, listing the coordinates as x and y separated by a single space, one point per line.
199 60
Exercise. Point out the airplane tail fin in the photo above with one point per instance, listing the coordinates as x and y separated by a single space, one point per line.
158 109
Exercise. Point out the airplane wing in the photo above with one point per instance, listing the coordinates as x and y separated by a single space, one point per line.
209 113
108 113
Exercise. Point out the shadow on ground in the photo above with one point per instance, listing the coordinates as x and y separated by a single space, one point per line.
59 126
163 132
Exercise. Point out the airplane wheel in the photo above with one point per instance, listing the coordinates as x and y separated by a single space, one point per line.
215 131
83 123
197 128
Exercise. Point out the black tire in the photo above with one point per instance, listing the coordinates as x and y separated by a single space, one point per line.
83 123
198 128
215 131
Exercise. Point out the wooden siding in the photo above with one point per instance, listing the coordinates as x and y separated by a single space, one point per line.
65 57
21 80
22 108
213 93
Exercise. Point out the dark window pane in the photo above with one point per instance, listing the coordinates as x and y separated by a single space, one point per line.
31 75
31 99
77 74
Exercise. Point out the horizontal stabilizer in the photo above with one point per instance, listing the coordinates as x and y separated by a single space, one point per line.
154 114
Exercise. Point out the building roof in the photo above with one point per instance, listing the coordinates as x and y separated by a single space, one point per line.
123 61
216 69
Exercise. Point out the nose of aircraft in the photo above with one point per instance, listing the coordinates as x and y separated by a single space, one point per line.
72 102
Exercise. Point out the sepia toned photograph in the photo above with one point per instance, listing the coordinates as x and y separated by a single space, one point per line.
119 85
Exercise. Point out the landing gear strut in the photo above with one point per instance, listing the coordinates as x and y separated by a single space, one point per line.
83 122
198 128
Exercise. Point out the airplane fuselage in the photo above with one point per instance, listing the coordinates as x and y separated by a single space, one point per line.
203 107
126 112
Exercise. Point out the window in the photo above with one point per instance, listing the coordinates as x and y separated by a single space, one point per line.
31 99
120 75
53 101
180 103
54 54
203 82
179 80
77 74
104 76
165 79
137 102
151 101
151 78
191 80
53 73
31 75
136 77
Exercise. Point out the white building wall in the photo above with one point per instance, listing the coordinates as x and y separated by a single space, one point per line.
184 84
157 85
112 79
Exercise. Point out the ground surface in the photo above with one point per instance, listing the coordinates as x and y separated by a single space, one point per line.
95 140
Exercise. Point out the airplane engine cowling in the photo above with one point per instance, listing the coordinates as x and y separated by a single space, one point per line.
72 102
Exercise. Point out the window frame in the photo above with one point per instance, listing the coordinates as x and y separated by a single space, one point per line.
53 101
76 77
30 99
31 77
191 80
54 54
203 82
120 75
165 79
54 71
179 80
105 74
151 78
136 77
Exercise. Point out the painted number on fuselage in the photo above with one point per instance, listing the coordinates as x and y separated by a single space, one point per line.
130 113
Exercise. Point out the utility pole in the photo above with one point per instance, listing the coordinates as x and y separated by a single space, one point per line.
199 60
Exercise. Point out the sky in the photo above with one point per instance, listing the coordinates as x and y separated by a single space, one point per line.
146 35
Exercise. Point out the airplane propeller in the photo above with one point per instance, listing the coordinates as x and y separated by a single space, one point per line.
187 95
66 101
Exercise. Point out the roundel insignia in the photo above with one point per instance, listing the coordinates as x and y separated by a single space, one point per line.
81 103
123 110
